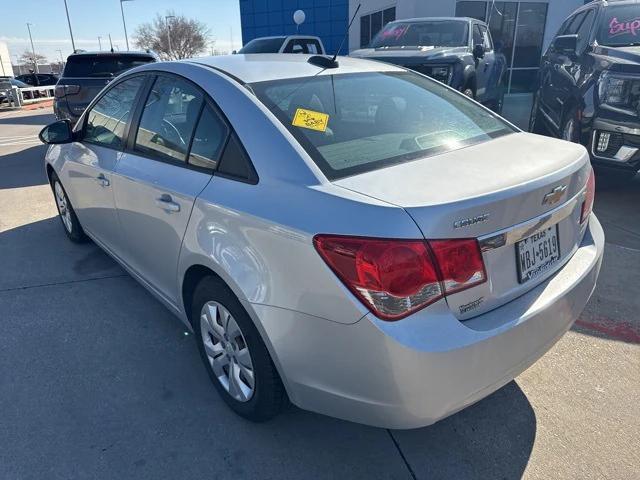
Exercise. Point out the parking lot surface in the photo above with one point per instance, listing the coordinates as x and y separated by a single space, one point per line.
98 380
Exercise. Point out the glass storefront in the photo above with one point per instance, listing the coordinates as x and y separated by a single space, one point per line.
517 29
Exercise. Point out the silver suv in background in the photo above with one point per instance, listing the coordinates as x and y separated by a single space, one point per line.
86 73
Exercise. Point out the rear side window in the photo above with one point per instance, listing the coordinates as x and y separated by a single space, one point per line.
354 123
299 45
107 119
169 118
102 65
263 45
208 140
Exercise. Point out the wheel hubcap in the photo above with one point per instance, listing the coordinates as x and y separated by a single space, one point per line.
227 351
63 206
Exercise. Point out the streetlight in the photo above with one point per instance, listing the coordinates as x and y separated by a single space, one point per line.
73 45
123 22
99 42
33 50
166 20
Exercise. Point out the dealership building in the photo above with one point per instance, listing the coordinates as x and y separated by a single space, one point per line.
521 29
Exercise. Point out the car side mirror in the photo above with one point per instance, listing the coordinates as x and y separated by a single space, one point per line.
57 132
566 45
478 50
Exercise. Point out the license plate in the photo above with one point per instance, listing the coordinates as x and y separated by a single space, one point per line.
537 253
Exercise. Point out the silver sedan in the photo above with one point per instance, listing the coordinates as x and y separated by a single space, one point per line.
352 237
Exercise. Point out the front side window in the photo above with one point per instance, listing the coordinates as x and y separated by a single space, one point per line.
619 26
437 33
353 123
477 36
107 119
486 38
169 118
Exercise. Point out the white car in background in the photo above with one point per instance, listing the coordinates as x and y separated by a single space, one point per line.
306 44
361 240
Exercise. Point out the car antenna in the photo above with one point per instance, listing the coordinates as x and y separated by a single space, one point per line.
111 43
326 62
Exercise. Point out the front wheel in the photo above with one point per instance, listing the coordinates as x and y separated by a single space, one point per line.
67 214
234 354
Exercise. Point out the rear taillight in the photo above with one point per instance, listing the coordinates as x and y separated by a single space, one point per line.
395 278
589 197
62 90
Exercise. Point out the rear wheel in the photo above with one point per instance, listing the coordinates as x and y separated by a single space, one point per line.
67 215
234 354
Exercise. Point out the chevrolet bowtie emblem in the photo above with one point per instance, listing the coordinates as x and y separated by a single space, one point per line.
554 195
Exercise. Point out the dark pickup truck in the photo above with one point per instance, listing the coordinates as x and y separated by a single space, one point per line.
589 89
452 50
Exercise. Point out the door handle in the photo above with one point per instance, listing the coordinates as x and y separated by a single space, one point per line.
166 203
102 180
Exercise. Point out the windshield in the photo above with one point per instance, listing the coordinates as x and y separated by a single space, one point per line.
354 123
102 66
438 33
619 26
263 45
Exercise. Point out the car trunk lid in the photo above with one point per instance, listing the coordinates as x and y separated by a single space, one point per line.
494 192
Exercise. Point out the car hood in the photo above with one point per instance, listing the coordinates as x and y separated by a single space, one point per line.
620 58
405 55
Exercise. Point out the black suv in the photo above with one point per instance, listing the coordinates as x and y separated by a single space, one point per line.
86 73
590 84
454 50
38 79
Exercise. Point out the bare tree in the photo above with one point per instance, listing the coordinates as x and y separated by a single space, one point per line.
28 58
173 36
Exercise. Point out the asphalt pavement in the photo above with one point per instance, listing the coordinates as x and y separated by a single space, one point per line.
99 381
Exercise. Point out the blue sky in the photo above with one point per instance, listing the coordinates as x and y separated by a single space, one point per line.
93 18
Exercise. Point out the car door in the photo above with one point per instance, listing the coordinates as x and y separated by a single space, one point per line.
492 70
482 64
90 163
170 158
560 70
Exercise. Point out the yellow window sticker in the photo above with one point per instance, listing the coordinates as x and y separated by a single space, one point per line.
310 119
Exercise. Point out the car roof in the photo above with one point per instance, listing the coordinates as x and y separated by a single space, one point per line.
108 53
259 67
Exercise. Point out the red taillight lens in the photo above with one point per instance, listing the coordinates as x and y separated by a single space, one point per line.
460 263
394 278
590 195
62 90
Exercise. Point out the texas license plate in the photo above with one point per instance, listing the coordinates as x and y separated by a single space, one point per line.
537 253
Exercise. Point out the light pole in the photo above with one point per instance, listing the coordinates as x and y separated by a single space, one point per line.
61 60
124 24
33 50
73 45
166 20
99 42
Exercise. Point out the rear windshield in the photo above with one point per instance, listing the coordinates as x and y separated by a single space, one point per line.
620 26
437 33
354 123
263 45
102 66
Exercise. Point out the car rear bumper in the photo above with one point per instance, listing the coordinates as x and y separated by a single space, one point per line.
414 372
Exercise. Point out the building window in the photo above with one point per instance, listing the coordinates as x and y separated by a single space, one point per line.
517 29
372 23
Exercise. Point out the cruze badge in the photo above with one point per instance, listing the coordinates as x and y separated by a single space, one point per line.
467 222
554 195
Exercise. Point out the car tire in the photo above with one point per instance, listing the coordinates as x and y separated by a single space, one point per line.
66 213
236 358
536 122
498 103
571 127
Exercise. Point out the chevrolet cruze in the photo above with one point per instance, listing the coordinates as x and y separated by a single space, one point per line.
350 236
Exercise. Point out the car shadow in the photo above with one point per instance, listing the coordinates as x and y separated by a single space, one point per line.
24 168
92 354
42 119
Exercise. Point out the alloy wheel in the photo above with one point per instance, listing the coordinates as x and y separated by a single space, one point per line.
63 207
227 351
